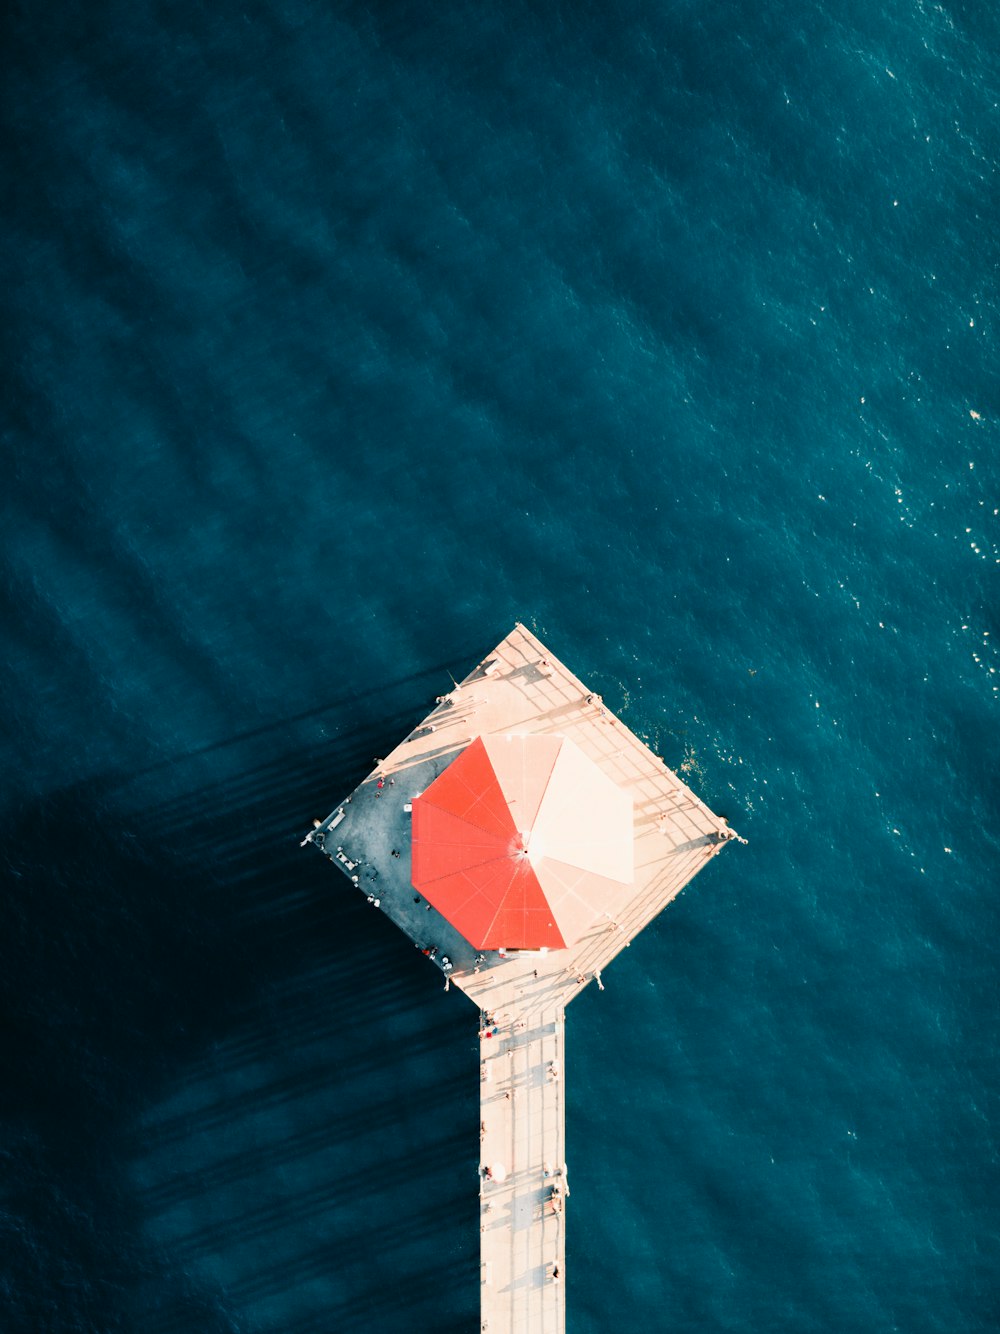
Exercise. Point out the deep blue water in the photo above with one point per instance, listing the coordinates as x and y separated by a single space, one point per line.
336 338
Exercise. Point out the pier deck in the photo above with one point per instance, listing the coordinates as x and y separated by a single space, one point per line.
523 1180
521 687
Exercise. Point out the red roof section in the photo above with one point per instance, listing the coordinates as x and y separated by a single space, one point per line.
469 860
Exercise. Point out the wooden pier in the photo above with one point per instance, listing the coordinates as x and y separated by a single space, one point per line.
524 1188
523 1178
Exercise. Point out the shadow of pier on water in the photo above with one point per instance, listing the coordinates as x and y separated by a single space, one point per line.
259 1094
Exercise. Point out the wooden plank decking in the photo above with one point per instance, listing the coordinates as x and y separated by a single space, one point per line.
521 687
523 1181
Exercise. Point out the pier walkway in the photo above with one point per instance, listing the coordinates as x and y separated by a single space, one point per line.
520 688
523 1180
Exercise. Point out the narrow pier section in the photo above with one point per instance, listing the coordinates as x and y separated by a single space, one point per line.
524 1184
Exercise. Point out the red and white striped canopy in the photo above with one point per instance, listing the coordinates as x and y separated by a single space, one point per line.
522 842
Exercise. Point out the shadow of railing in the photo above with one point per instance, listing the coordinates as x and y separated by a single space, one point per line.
246 1078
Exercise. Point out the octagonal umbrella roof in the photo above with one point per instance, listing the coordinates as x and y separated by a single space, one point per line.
522 842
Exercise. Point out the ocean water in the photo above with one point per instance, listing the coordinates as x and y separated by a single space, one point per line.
339 336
